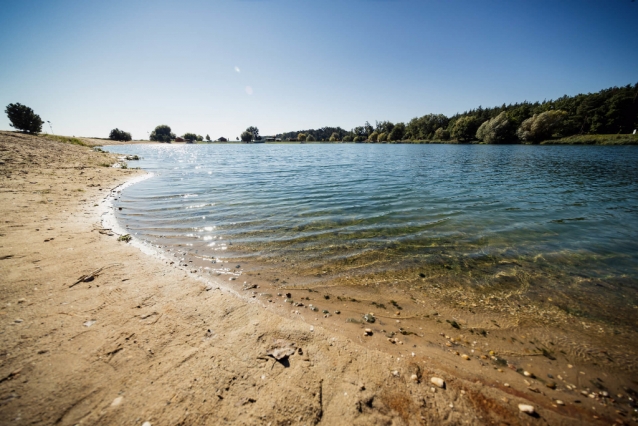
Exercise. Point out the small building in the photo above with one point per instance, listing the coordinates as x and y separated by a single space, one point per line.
179 139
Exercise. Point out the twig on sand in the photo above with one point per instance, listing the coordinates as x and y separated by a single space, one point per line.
92 275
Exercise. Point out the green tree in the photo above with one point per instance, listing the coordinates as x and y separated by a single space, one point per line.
301 137
397 133
465 128
23 118
162 133
541 126
246 136
382 137
200 138
310 138
254 131
190 137
347 138
373 136
441 134
358 139
497 130
334 137
119 135
207 138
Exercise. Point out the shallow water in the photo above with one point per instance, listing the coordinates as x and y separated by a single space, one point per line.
555 226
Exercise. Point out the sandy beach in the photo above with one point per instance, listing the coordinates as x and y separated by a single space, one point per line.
96 332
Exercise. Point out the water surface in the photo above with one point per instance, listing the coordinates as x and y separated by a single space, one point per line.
555 224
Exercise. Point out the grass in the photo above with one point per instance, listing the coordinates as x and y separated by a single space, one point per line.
66 139
594 140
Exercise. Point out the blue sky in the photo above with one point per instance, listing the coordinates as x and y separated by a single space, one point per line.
217 67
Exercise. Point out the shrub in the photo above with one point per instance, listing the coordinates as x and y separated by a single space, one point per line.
358 139
301 137
497 130
200 138
190 137
347 138
465 128
397 132
541 126
383 137
441 134
373 136
310 138
246 137
335 137
23 118
162 133
119 135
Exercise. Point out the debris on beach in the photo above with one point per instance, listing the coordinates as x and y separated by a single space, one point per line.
282 349
369 318
525 408
437 381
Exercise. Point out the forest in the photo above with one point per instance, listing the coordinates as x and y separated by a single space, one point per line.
612 111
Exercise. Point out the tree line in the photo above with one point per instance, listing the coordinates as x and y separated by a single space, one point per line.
609 111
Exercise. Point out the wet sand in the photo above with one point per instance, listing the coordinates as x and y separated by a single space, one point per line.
139 339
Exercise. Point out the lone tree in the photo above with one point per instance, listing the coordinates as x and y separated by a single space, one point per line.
208 138
23 118
162 133
119 135
246 136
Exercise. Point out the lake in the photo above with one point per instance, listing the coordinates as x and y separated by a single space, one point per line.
447 215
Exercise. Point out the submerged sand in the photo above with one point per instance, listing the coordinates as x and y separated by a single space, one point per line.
145 341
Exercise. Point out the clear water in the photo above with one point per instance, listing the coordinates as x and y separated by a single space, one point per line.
557 222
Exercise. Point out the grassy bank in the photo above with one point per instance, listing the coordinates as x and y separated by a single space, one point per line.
594 140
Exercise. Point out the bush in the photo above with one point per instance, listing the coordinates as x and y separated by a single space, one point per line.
497 130
541 126
200 138
310 138
246 137
190 137
441 134
23 118
373 136
162 133
334 137
347 138
358 139
464 130
397 132
301 137
383 137
119 135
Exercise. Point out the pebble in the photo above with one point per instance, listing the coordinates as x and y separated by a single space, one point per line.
18 321
438 382
369 318
465 357
507 385
527 374
367 332
559 402
414 378
526 408
395 373
146 424
117 401
337 312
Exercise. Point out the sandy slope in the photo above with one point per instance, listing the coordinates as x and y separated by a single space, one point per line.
144 341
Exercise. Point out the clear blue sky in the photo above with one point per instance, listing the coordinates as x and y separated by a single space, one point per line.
217 67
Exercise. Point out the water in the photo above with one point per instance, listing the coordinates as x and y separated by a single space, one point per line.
553 226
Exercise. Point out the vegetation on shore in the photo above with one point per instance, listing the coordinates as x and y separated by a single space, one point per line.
612 111
607 117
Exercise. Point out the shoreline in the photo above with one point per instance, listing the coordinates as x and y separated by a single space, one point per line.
142 340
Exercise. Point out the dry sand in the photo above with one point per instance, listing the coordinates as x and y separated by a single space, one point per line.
144 341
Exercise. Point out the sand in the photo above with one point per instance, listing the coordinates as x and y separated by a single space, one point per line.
144 341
